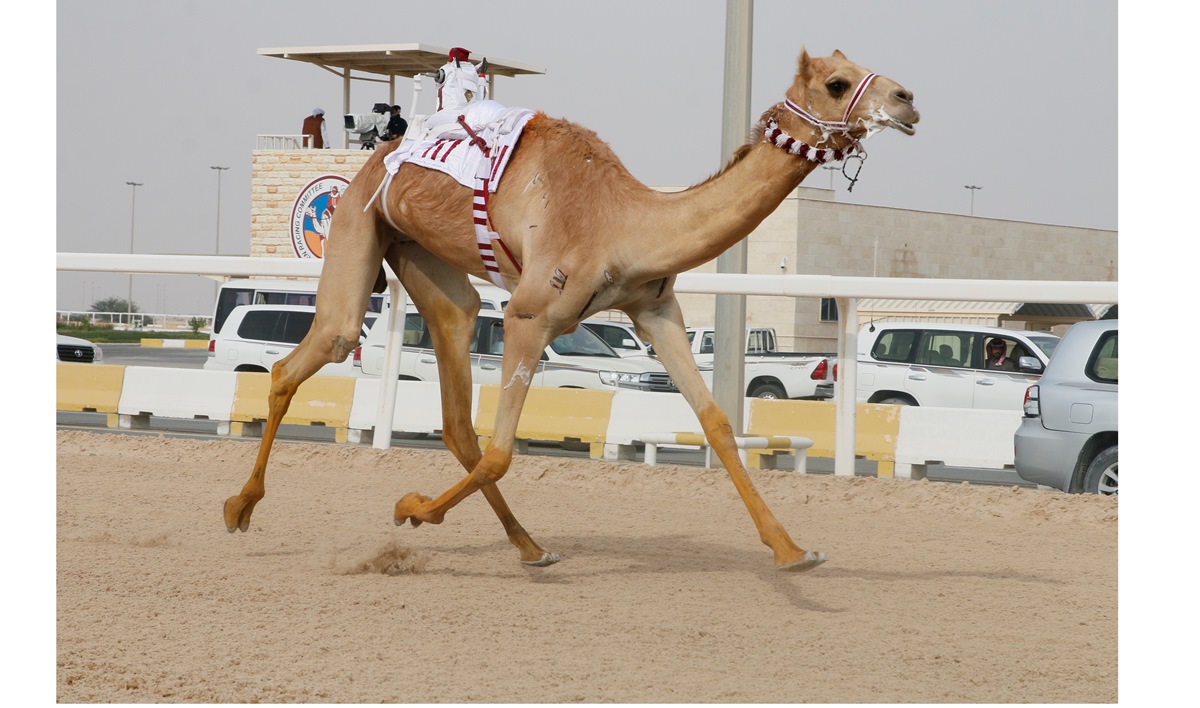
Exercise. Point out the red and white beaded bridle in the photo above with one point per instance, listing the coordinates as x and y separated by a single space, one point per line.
773 134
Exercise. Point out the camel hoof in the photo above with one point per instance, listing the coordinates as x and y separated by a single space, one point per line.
810 560
406 509
237 513
546 560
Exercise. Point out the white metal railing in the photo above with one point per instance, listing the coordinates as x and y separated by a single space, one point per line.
141 320
283 142
846 290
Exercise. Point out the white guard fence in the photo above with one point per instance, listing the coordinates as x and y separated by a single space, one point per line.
845 290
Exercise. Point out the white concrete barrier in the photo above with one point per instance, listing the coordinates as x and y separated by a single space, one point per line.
418 408
175 393
959 437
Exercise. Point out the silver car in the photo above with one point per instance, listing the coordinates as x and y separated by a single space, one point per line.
1068 437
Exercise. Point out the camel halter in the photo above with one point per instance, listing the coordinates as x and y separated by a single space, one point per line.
773 134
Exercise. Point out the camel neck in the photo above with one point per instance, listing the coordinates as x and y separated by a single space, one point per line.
698 224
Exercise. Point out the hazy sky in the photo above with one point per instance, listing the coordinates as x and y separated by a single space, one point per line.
1018 97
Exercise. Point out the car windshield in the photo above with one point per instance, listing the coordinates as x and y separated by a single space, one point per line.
582 342
1046 344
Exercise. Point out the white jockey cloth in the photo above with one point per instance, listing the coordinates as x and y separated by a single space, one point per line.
451 151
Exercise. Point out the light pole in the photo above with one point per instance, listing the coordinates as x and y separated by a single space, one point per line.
219 170
132 218
831 168
217 251
973 189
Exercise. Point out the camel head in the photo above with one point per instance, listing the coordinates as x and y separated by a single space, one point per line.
826 87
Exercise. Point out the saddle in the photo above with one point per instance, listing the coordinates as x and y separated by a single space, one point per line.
481 116
472 145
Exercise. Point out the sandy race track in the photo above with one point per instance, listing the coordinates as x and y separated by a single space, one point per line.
934 593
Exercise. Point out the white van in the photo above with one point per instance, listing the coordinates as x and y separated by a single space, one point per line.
941 364
264 291
256 336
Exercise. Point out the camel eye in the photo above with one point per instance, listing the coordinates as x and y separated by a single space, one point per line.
837 87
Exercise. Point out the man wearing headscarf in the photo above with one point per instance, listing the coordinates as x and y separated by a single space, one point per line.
314 127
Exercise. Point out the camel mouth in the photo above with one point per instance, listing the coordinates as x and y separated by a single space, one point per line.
882 119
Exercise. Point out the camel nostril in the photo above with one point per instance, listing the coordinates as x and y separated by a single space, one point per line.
905 96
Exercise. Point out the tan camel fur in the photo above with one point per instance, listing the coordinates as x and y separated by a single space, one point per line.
588 237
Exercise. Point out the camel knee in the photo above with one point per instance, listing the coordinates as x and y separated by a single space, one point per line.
493 466
713 419
341 346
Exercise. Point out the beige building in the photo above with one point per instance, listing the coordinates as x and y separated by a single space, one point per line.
810 233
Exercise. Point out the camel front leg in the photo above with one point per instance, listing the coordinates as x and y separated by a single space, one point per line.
524 342
286 377
663 324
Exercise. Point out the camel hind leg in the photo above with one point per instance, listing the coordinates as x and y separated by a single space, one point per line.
663 324
524 341
449 304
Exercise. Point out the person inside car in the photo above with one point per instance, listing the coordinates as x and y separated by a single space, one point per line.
995 356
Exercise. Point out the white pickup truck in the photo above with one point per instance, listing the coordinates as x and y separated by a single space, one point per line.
769 373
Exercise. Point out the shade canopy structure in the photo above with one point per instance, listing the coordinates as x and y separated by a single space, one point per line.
983 313
382 63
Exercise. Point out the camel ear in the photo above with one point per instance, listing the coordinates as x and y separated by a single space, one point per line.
837 54
804 70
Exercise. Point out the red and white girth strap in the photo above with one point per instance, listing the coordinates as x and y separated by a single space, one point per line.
484 236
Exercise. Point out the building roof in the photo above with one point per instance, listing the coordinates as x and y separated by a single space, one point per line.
391 59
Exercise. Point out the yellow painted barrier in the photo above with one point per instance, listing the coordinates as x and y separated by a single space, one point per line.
552 414
90 388
878 427
321 400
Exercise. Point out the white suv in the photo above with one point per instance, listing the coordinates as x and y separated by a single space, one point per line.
577 360
621 336
941 364
254 337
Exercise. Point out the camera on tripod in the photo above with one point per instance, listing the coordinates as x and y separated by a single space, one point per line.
369 126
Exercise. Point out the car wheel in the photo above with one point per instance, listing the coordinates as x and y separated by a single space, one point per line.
771 392
896 401
1101 476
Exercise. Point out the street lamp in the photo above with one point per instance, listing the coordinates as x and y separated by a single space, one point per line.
973 189
831 168
219 171
132 218
217 252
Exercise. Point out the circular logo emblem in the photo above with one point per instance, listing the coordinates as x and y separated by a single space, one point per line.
313 213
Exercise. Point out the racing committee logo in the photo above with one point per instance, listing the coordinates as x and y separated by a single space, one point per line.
313 213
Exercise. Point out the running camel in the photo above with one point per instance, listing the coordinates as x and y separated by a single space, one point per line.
580 235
